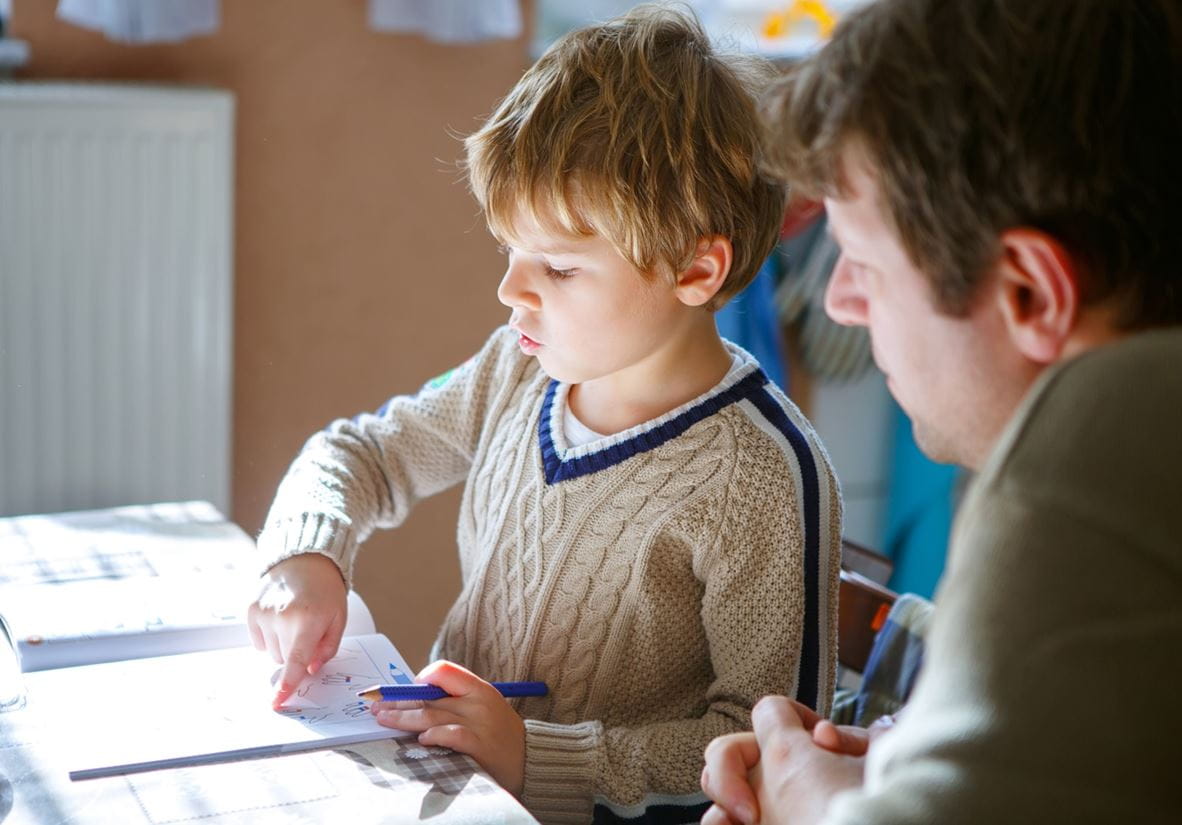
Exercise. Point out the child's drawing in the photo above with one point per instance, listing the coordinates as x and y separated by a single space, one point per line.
330 696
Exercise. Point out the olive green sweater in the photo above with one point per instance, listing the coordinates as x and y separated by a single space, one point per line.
1055 651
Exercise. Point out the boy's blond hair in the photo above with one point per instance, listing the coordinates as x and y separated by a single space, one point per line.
639 131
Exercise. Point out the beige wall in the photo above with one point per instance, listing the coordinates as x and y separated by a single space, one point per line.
362 267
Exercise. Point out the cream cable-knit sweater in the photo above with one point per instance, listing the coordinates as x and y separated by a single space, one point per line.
660 580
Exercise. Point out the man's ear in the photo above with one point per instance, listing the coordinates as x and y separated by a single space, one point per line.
701 280
1039 293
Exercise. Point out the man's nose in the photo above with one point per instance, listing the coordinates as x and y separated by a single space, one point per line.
844 300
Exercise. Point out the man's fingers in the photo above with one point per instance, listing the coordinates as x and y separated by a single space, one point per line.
773 718
717 816
808 717
846 739
724 779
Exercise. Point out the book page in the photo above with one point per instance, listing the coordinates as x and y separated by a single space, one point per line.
210 706
130 582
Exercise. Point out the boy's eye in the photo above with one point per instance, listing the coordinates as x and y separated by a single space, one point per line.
559 274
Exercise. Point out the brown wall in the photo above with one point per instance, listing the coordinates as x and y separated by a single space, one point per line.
362 267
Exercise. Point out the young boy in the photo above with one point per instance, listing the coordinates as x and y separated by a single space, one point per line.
647 524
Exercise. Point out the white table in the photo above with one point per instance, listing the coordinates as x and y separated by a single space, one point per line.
118 563
391 781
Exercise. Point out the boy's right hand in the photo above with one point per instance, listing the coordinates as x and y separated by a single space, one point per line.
299 617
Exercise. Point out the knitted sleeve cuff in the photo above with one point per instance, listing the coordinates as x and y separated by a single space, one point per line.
310 533
560 769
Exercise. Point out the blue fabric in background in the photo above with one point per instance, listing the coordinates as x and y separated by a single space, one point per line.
922 498
920 507
751 321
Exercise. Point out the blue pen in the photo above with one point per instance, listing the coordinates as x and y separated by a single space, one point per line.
395 693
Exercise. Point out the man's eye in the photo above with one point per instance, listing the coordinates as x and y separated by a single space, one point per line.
559 274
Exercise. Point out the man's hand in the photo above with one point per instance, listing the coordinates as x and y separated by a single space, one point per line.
476 720
299 617
729 761
849 739
738 773
795 779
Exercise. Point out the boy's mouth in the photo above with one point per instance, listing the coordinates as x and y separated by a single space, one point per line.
528 345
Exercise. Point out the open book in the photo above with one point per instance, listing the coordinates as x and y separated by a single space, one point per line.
129 582
136 616
208 706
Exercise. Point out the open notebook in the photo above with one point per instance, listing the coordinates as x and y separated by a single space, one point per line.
208 706
130 582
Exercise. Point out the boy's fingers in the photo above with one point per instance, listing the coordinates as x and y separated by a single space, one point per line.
328 645
271 644
295 668
457 737
455 680
415 719
256 634
294 671
398 704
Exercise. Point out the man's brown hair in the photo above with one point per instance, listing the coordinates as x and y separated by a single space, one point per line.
982 115
637 130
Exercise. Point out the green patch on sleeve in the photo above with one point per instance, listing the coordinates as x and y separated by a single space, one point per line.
439 380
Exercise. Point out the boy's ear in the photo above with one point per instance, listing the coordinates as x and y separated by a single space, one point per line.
698 283
1039 293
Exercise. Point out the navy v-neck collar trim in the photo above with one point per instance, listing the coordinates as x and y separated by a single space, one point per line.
616 450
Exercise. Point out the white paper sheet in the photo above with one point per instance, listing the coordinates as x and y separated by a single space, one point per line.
211 706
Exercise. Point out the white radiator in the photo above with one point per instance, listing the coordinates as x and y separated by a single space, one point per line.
115 296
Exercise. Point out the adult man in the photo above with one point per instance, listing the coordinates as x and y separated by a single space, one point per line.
1004 178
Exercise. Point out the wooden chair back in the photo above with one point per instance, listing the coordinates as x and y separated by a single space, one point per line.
862 603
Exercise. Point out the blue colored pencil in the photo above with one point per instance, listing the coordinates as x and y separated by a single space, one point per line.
396 693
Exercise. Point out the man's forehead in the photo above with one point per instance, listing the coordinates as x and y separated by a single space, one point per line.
855 210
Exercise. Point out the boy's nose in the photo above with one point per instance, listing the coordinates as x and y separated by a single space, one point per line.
515 289
845 302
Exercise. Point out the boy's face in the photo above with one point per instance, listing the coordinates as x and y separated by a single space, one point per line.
582 309
954 376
